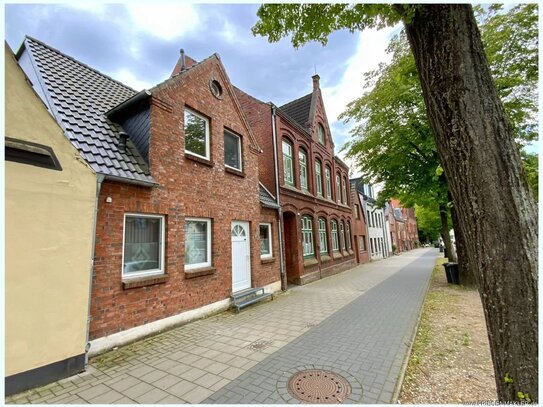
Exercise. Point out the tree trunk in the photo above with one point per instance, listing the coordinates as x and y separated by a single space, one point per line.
466 275
496 210
451 253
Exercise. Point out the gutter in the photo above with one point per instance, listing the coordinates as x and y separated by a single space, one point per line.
279 210
99 179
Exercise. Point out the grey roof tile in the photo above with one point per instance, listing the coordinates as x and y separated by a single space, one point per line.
266 199
81 95
299 109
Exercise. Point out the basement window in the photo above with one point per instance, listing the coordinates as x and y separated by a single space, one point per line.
25 152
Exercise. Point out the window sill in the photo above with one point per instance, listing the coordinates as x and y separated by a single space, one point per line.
336 255
144 281
204 271
200 160
266 260
325 258
234 172
311 261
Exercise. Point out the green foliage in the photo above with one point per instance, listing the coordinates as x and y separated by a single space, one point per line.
531 168
428 222
507 378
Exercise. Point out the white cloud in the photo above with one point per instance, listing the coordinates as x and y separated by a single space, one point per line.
94 8
128 78
164 20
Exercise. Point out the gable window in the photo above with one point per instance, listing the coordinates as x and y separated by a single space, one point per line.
302 157
342 230
323 240
356 211
328 183
25 152
265 240
197 243
335 240
232 150
320 134
288 171
196 134
344 185
338 188
143 245
307 236
362 243
318 176
348 236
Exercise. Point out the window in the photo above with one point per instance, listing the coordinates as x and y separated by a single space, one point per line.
197 243
342 230
318 176
307 236
323 240
362 243
344 191
25 152
232 150
348 237
265 240
328 183
320 134
302 157
335 241
143 245
288 171
356 211
369 218
338 188
196 134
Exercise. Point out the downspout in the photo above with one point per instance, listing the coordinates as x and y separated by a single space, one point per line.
279 210
99 180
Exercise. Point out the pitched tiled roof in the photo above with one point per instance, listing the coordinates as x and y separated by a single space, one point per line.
299 109
79 96
266 199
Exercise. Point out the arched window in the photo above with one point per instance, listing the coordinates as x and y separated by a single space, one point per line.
338 188
320 134
348 236
288 165
328 183
307 236
344 191
318 177
323 240
302 159
342 234
335 240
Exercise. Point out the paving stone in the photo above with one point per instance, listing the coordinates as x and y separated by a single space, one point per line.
150 397
192 374
181 388
169 399
197 395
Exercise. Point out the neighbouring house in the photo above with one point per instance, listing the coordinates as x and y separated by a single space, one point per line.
404 230
50 197
299 165
183 221
360 227
375 220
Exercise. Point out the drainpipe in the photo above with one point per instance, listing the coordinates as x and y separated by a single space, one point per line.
99 180
279 210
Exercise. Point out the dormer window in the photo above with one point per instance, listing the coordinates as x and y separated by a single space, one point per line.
320 133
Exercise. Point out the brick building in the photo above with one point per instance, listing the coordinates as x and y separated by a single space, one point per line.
360 227
404 230
298 164
182 219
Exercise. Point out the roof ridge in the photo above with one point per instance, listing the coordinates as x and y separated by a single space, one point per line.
79 62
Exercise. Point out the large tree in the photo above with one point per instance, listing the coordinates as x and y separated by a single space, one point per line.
475 142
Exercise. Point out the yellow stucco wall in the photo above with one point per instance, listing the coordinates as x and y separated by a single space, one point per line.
48 232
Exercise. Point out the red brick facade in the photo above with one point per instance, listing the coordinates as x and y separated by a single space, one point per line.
187 187
360 230
403 230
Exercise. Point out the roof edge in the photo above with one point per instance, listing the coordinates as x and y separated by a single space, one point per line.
142 95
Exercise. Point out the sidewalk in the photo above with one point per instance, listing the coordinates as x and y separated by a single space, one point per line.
358 324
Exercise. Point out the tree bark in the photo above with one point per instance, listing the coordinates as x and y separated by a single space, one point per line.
466 275
496 210
445 235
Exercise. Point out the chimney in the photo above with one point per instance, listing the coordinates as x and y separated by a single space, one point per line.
316 81
122 141
182 52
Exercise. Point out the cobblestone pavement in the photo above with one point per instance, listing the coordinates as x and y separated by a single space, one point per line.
358 324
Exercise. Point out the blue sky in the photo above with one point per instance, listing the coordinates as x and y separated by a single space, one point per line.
138 44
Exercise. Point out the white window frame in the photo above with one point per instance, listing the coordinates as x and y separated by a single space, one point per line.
161 245
348 236
344 190
342 231
338 188
206 120
318 176
302 161
208 248
335 236
307 235
288 173
239 151
267 256
323 237
320 133
328 174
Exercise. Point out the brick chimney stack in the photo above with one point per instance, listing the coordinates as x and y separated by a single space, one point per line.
316 79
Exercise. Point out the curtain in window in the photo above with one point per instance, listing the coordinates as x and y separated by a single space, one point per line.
195 242
141 244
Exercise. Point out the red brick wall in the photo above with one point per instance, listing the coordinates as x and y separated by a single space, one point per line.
187 188
359 229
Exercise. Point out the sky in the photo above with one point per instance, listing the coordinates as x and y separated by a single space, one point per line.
138 44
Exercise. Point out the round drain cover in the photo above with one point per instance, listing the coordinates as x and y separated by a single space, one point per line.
319 386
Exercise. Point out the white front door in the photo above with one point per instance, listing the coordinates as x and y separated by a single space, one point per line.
241 256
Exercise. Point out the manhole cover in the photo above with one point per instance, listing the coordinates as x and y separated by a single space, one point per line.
319 386
259 344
